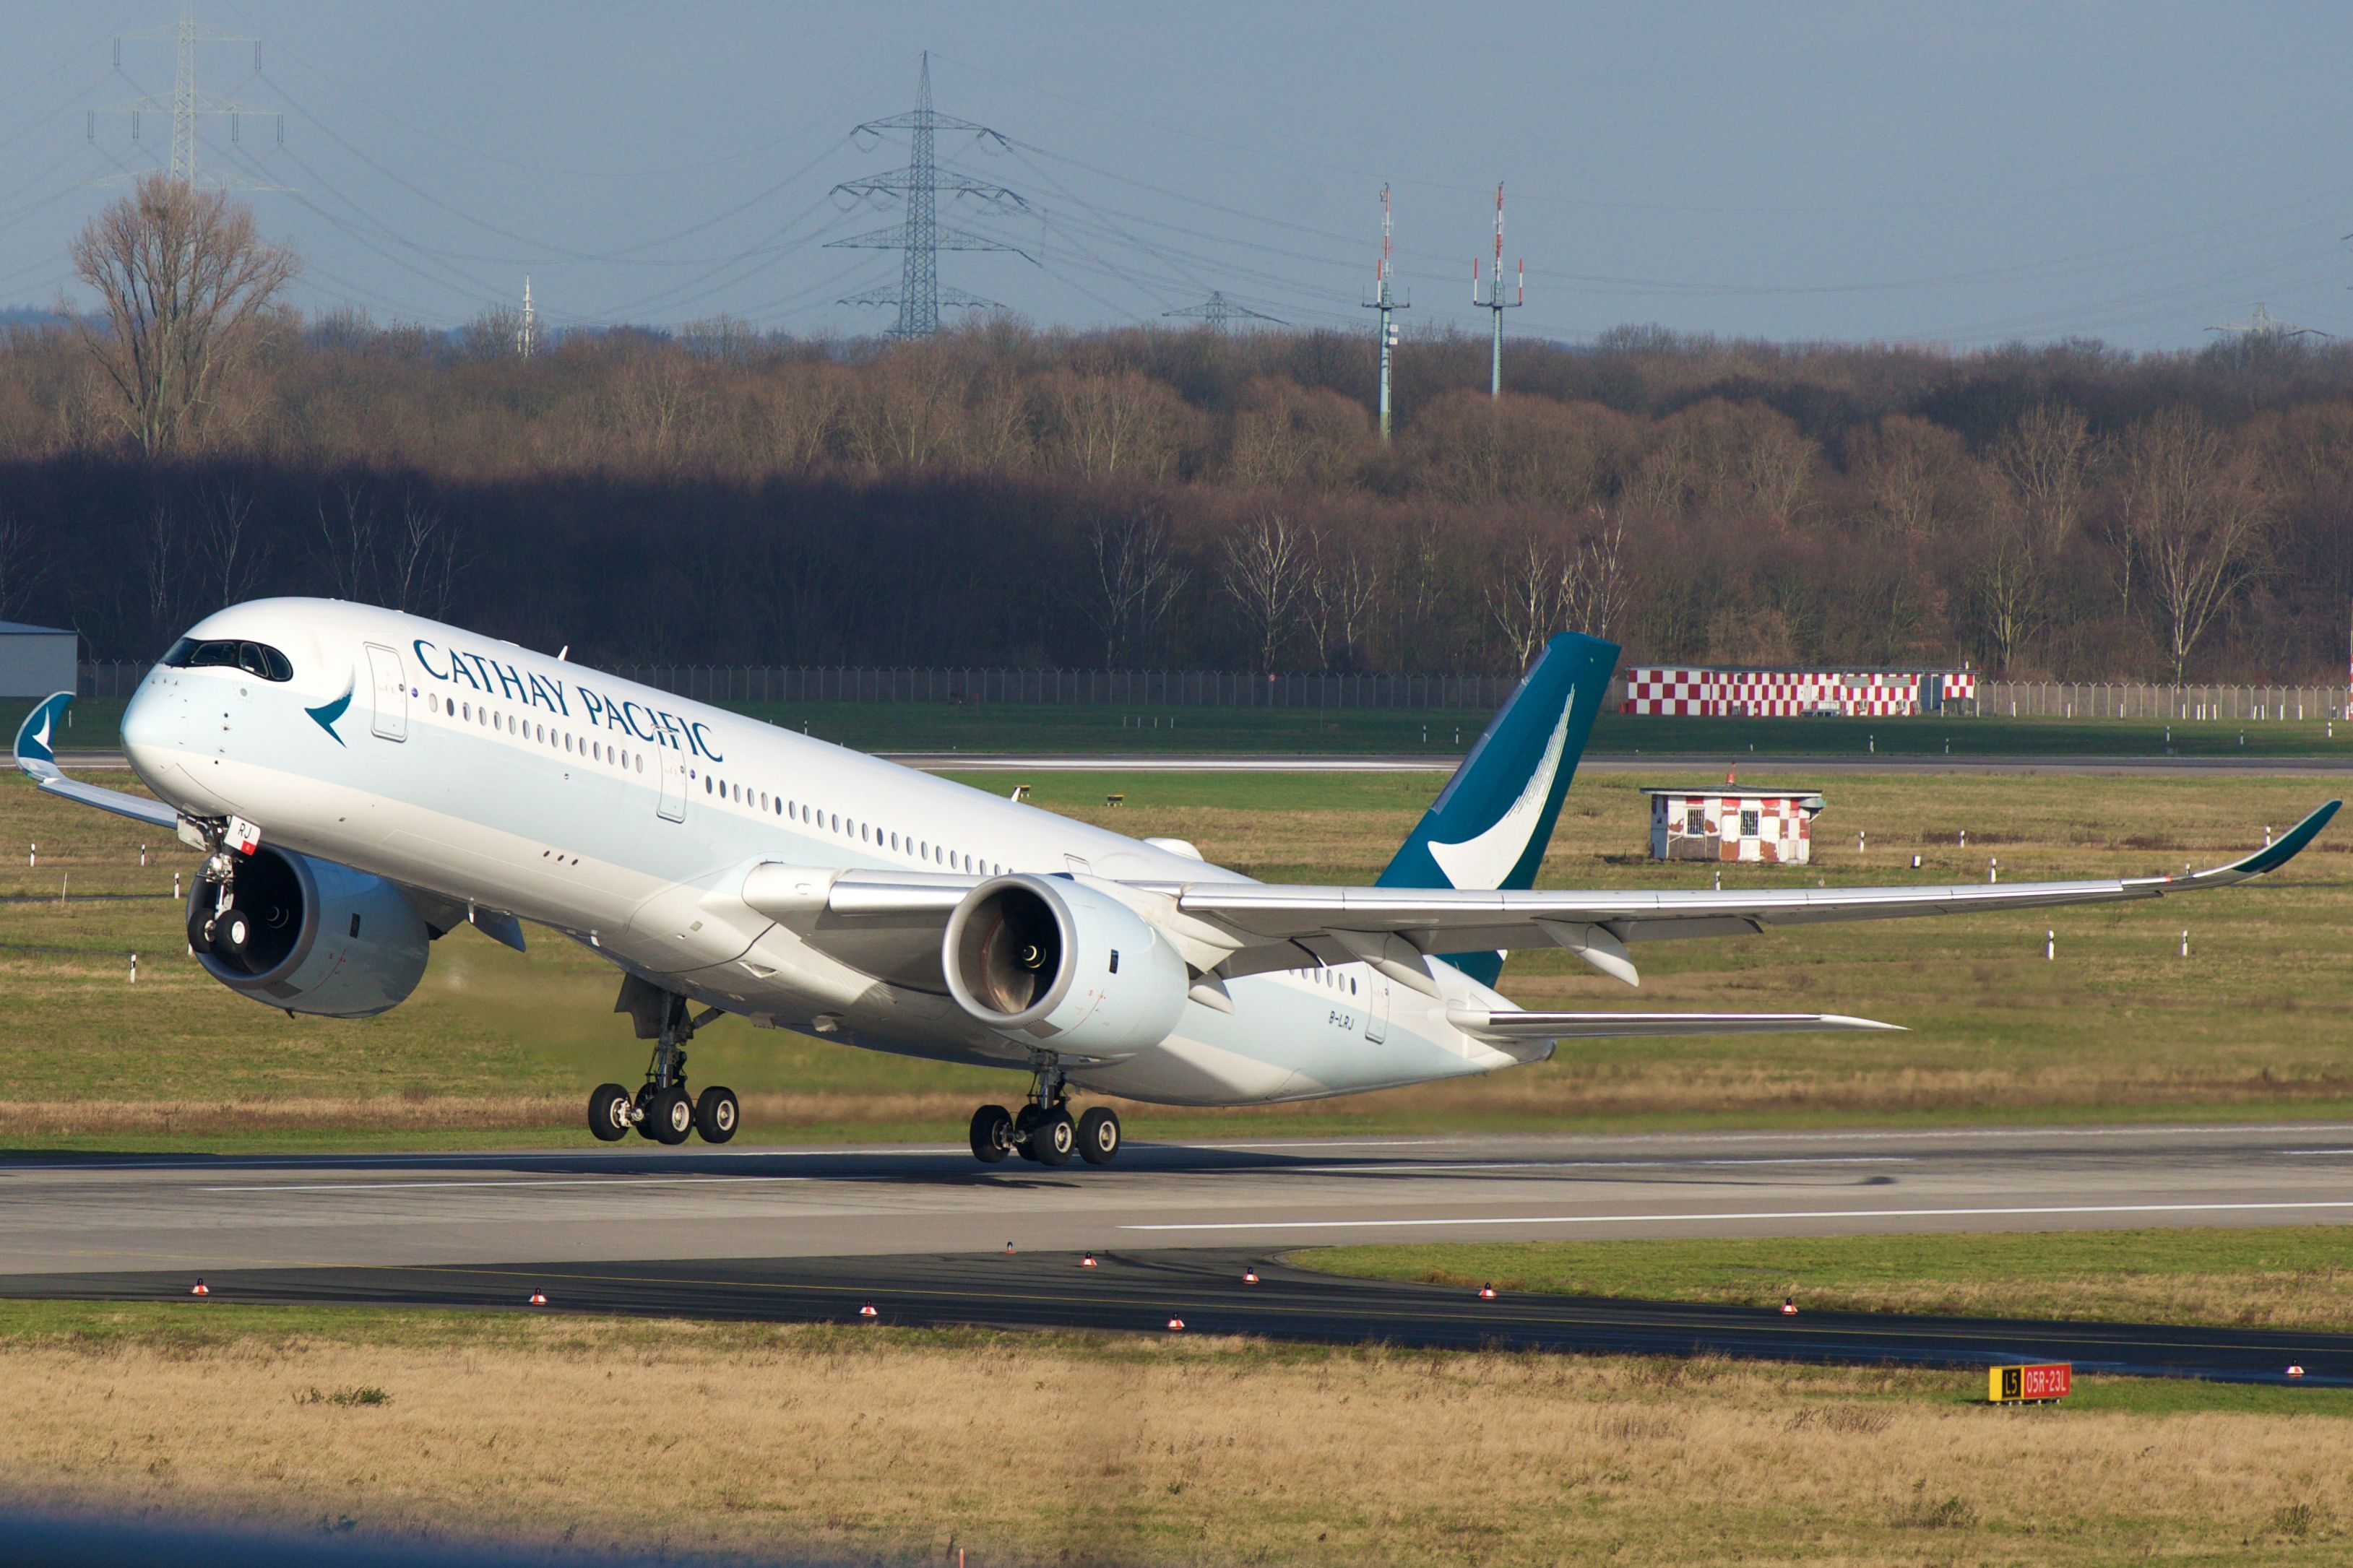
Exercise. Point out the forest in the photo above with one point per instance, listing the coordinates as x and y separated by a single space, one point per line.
1143 497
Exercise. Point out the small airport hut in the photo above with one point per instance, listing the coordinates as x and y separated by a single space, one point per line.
1725 822
36 661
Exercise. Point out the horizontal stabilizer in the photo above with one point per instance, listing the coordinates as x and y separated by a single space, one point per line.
1487 1024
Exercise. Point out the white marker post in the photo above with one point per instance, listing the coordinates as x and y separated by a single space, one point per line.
2185 942
134 969
2049 945
1993 869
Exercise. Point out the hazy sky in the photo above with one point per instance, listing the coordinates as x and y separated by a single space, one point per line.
1966 173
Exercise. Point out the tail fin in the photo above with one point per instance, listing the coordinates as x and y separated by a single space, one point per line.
1489 827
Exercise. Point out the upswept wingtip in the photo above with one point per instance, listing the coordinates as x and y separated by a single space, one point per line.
37 736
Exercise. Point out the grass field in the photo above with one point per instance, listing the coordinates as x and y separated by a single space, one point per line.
879 1444
1181 731
497 1047
2281 1277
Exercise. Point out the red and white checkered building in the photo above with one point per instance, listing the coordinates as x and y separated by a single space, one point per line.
1791 693
1725 822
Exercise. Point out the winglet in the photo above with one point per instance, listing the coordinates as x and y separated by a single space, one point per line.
36 737
2271 856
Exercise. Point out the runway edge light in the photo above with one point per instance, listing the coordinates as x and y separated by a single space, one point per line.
2032 1382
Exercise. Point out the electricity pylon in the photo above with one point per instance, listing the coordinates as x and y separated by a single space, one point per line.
2263 324
921 237
1218 311
188 107
1494 300
1382 303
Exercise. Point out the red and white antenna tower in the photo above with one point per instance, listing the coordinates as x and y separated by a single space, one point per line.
1382 303
1494 300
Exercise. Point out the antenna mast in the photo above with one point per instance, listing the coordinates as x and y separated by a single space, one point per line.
527 327
1494 300
1383 303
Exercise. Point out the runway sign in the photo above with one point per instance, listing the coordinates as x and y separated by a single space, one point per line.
2028 1385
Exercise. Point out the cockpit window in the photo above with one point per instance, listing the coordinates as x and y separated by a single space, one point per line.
256 659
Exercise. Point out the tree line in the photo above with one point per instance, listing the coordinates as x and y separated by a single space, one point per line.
1145 497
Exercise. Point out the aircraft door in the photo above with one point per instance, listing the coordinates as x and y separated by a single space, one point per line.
390 682
672 805
1377 1008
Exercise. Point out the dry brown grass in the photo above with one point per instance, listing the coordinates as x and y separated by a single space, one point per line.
1041 1451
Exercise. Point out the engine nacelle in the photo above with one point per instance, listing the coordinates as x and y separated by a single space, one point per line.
1073 969
310 935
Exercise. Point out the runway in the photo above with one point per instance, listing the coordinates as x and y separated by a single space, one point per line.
813 1233
65 1213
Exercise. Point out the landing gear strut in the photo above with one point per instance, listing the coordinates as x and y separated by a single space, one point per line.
664 1108
1043 1130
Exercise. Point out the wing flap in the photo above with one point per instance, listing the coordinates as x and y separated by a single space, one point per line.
1501 1026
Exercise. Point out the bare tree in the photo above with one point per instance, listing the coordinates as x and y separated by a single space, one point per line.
2046 459
1136 581
2011 583
162 567
347 540
23 566
1525 596
236 552
423 558
2197 516
1265 567
183 279
1343 589
1599 581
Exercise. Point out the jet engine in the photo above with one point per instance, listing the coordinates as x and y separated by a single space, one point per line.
1072 968
310 935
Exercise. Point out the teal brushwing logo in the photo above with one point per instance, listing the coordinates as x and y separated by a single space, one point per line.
328 714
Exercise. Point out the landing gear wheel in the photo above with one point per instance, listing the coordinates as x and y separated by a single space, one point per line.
671 1116
1098 1136
992 1134
1024 1121
1052 1139
608 1112
716 1113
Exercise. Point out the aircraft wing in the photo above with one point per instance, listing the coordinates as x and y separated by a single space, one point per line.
1393 928
36 757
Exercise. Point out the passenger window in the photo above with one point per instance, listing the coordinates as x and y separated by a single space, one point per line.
707 785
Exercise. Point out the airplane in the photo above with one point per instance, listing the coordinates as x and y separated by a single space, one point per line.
361 782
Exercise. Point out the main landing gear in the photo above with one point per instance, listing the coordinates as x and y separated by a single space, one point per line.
664 1109
1044 1132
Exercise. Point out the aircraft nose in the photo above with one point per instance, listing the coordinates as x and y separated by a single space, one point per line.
150 723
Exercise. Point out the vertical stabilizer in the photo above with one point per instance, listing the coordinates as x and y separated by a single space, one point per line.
1489 826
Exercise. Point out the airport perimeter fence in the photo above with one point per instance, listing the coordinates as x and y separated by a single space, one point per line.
1232 689
2191 705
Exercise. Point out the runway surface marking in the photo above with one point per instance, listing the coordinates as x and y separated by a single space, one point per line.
1654 1218
502 1184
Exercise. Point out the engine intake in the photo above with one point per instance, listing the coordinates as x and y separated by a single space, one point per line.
1062 962
310 936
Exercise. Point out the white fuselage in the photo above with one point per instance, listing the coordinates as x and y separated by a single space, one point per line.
628 818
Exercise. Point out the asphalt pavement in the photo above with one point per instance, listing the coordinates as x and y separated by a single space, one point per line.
922 1233
1231 1290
